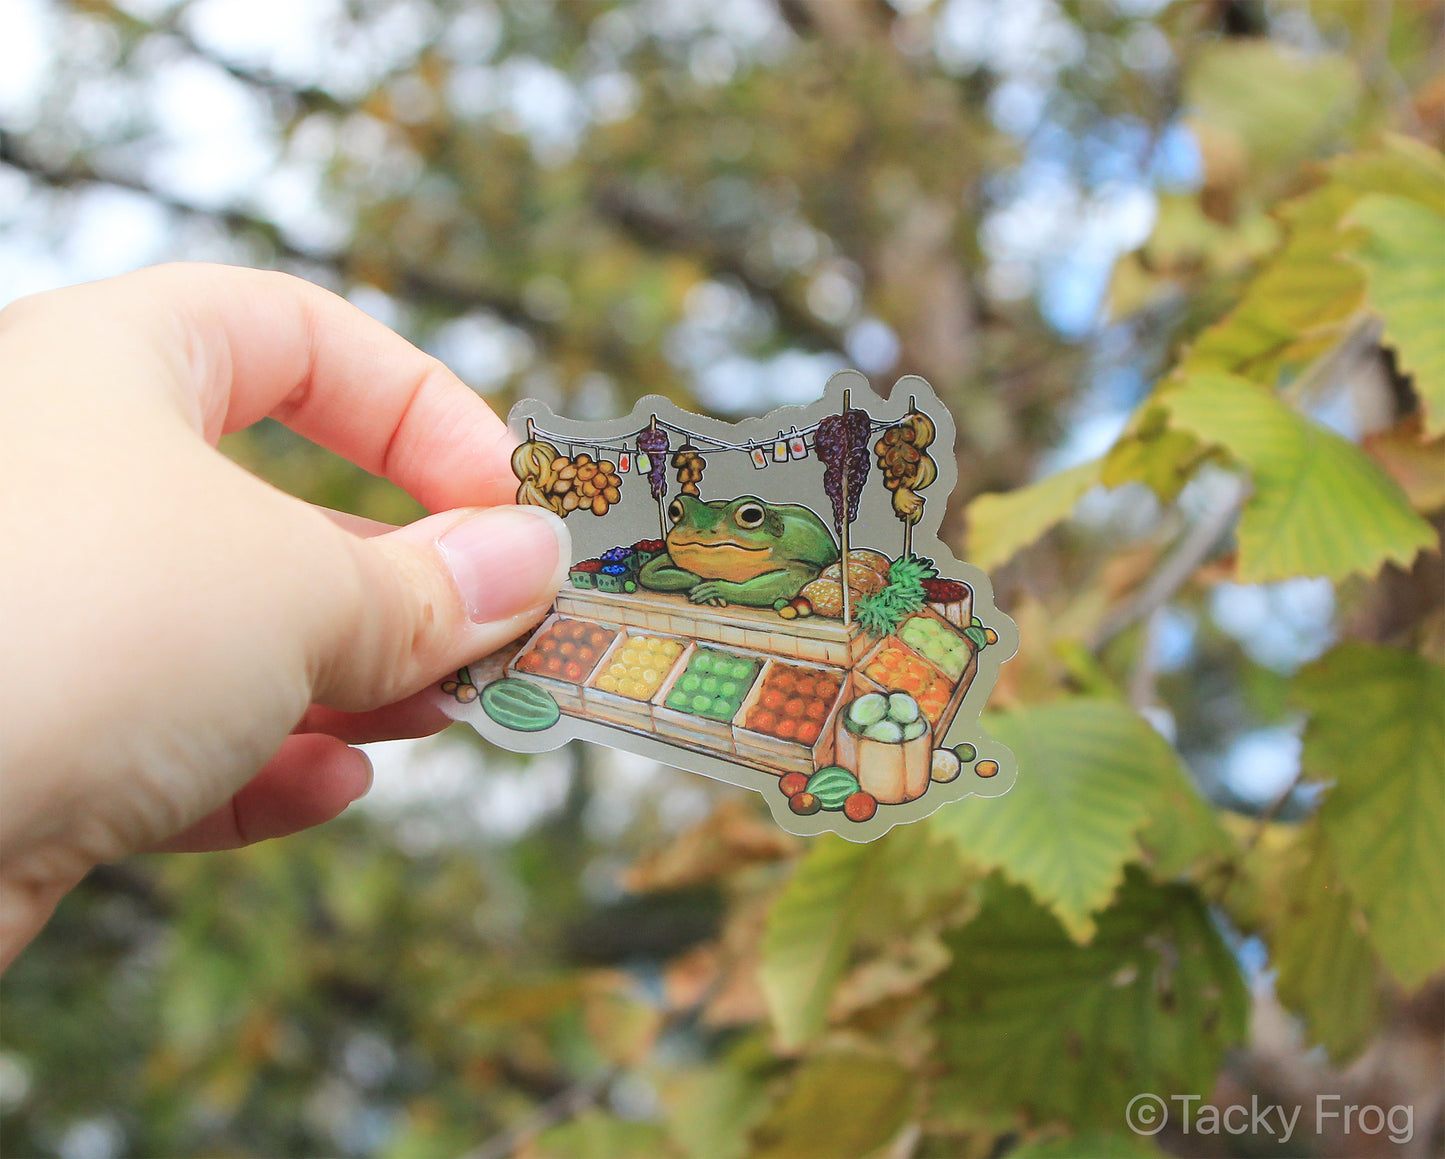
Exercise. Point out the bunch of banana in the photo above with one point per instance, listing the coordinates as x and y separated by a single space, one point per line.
552 480
906 465
689 466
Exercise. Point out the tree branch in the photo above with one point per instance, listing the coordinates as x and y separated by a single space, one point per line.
418 285
656 229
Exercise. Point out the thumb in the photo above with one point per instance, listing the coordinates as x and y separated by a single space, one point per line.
435 595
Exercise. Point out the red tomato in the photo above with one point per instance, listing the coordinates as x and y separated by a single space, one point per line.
860 806
808 731
772 698
786 729
806 686
794 707
554 665
816 710
573 670
793 783
762 720
567 648
548 644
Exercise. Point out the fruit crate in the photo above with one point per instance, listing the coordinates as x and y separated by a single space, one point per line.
567 693
613 707
865 683
928 615
776 754
688 727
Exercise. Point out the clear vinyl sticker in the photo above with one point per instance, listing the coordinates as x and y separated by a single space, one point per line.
764 602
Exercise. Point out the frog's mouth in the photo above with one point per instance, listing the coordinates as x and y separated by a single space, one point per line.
714 544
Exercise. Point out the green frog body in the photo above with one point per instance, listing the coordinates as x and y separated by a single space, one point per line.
740 551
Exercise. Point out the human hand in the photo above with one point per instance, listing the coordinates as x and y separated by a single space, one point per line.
189 653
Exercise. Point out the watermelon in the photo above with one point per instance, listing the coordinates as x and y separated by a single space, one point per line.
520 705
832 786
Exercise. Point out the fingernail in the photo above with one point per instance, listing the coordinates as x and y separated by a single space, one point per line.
370 777
507 560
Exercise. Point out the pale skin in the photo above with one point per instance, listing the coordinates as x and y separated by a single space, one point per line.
189 653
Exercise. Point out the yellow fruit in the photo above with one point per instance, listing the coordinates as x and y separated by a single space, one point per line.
671 648
650 675
617 670
607 683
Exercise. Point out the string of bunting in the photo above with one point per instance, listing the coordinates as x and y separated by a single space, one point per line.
793 444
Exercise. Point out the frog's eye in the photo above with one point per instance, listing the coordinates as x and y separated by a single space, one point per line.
750 515
675 511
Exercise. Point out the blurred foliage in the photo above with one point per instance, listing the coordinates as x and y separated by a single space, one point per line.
588 201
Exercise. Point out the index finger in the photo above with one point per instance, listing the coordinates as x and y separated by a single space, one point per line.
257 343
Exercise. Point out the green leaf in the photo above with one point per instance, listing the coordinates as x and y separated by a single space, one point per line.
1297 304
1377 732
1060 1032
595 1135
1160 457
810 933
1090 773
1279 104
843 893
1294 308
711 1109
1184 832
1093 1144
1403 255
1307 910
1002 523
838 1104
1320 506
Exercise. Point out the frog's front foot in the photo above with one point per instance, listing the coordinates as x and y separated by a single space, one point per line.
708 592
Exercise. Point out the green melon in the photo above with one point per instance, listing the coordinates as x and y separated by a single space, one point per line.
520 705
832 786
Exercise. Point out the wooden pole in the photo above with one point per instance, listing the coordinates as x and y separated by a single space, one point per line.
847 603
661 510
908 523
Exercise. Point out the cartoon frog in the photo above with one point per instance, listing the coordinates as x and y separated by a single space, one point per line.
740 551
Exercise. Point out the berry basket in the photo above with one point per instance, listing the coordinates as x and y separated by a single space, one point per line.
616 578
584 574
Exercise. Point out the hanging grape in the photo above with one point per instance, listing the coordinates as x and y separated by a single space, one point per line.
653 441
842 444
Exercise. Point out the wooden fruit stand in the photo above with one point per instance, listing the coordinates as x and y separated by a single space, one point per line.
825 645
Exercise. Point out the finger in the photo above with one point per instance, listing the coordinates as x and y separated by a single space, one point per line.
415 716
421 601
356 524
311 780
256 343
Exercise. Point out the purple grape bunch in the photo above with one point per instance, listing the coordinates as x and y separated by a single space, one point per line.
653 441
843 438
